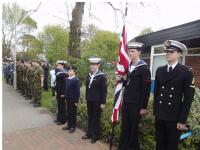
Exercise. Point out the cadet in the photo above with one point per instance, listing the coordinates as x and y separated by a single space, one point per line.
32 76
45 67
72 94
38 83
28 75
96 92
173 95
135 98
61 77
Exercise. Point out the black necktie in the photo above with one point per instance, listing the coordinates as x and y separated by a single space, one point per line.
170 68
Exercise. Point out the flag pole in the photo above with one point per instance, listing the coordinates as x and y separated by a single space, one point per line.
114 123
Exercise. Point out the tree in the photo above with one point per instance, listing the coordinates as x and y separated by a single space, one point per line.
54 40
104 44
74 48
14 22
145 31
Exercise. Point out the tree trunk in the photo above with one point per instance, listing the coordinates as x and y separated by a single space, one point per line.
75 30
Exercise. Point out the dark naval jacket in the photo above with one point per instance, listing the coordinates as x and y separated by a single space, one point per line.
96 89
61 77
138 85
173 93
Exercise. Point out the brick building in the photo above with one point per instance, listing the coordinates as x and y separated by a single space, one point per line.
188 33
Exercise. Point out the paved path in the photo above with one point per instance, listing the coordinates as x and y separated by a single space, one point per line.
28 128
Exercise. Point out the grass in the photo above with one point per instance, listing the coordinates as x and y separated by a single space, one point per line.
48 101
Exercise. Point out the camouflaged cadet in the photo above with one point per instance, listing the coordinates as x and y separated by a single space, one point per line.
21 76
28 83
17 72
32 70
25 78
38 83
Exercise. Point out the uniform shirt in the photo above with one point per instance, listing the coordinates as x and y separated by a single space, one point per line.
173 66
137 85
72 91
96 88
61 77
173 93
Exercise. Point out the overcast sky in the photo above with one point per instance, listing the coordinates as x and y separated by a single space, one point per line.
157 15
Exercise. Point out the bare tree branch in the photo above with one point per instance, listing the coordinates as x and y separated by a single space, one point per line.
115 9
67 11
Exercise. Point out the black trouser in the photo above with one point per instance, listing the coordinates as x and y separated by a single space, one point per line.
129 128
167 135
45 82
61 116
53 91
71 113
94 115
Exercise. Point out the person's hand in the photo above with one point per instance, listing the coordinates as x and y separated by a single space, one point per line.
62 96
42 85
181 126
102 106
143 112
118 78
76 104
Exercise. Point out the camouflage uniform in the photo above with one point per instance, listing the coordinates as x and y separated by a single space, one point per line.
18 77
21 77
38 73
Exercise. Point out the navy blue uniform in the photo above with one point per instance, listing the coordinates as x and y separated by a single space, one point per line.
173 95
135 98
61 77
72 94
96 93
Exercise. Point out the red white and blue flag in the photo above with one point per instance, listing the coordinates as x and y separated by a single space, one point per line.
122 69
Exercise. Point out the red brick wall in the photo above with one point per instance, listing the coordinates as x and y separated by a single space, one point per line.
194 62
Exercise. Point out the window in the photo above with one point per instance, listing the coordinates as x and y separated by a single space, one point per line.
193 52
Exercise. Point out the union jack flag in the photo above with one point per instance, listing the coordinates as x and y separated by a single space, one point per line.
122 69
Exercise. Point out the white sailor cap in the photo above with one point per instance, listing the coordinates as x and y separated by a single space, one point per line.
61 62
94 60
135 45
174 45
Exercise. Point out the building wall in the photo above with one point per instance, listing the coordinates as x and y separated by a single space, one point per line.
194 62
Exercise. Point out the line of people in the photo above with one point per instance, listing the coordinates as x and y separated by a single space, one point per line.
30 80
173 95
67 87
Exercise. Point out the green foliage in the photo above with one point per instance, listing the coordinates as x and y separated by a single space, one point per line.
30 23
54 39
146 30
104 44
15 24
48 101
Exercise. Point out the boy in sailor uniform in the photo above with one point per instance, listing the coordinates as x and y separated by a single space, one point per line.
96 93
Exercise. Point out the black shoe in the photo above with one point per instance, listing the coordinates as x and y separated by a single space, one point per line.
71 130
60 123
27 98
32 102
37 105
56 121
86 137
66 128
93 140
